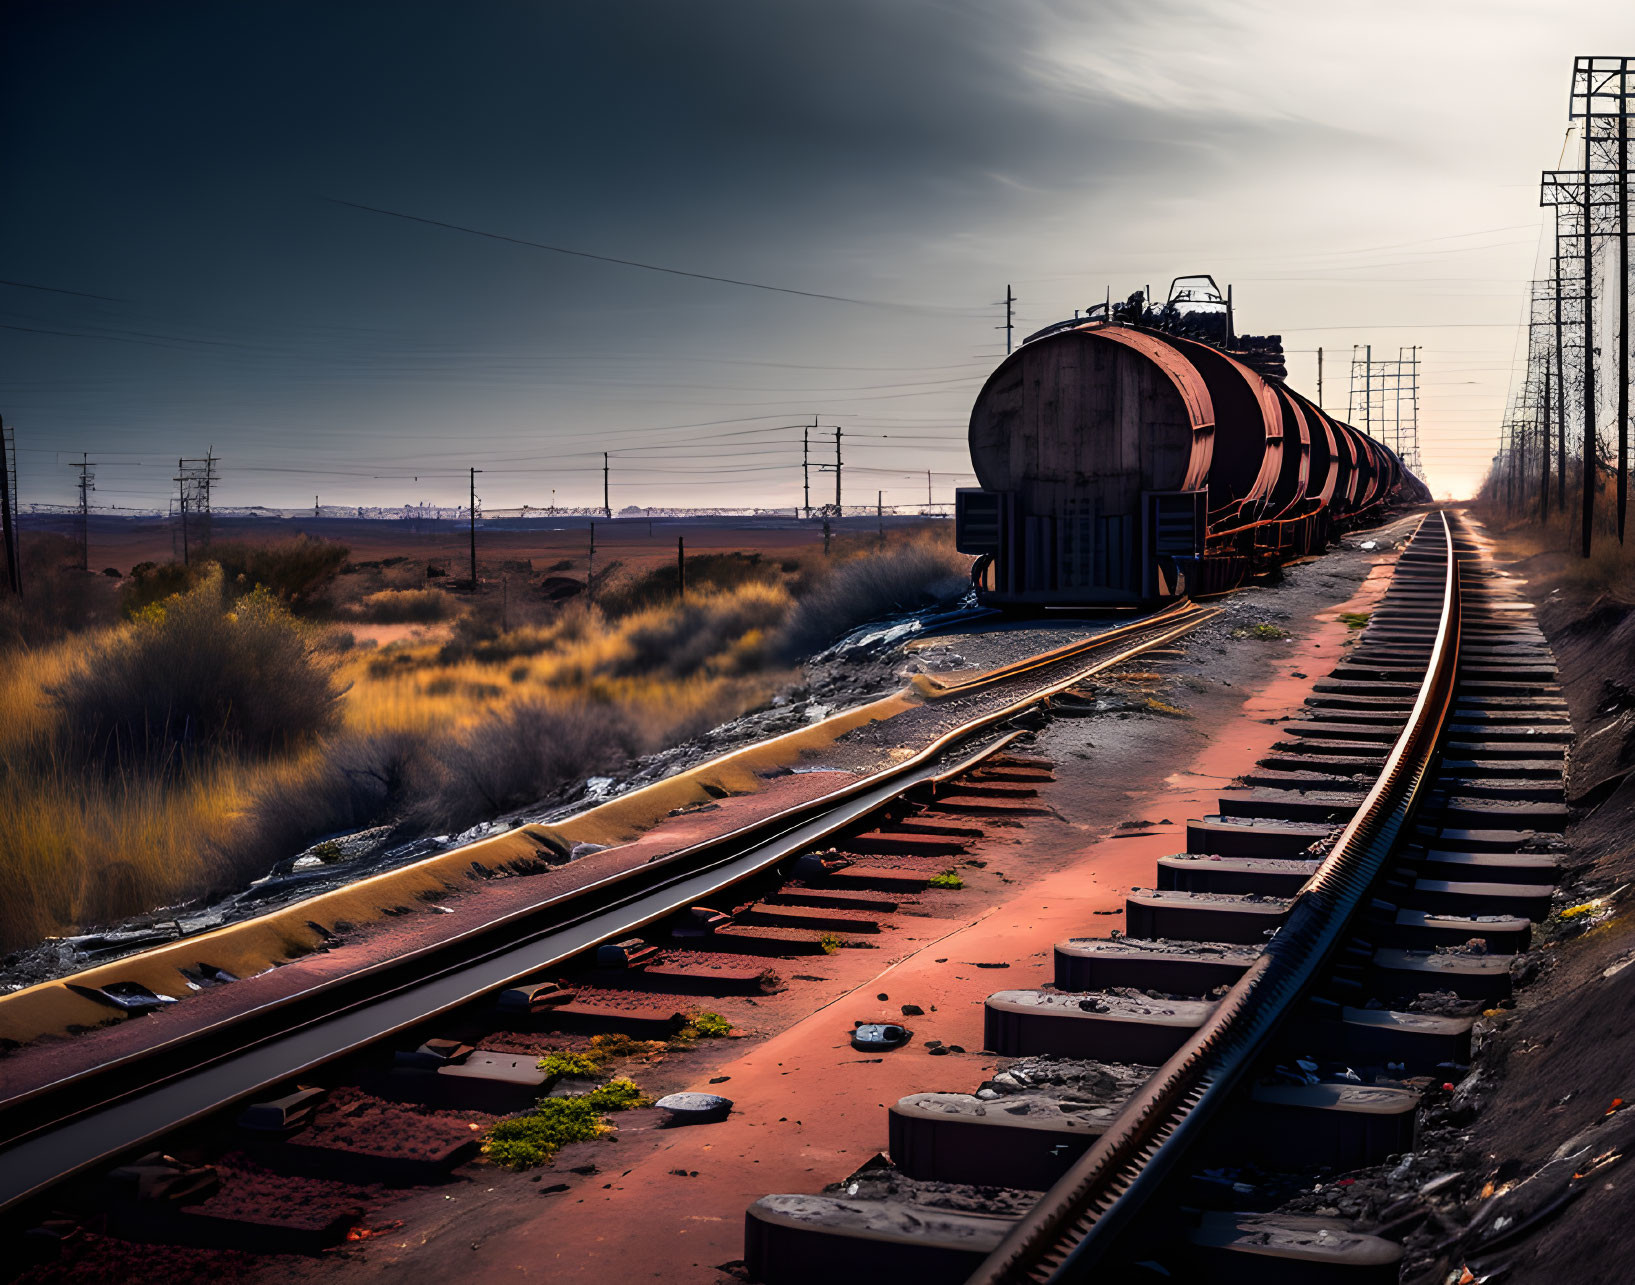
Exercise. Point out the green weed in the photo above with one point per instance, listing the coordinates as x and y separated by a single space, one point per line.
707 1025
947 879
532 1139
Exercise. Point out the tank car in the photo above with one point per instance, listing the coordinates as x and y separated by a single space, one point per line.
1120 463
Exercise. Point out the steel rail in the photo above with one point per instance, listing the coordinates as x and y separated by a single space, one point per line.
1076 1223
933 686
252 1052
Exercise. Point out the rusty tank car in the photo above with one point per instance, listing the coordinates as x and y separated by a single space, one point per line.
1127 458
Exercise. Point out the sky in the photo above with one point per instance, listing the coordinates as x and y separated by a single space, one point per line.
186 266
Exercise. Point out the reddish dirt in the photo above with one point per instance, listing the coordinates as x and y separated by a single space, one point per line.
668 1204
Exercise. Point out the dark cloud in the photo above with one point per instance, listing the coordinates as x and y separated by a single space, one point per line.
180 155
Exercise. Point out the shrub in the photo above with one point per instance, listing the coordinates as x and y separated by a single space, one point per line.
405 606
57 600
153 582
297 570
518 755
1354 619
705 571
190 677
947 879
353 781
916 573
686 637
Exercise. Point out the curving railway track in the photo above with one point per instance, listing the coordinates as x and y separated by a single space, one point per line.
1265 1005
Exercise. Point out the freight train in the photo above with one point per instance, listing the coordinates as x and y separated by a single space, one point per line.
1141 453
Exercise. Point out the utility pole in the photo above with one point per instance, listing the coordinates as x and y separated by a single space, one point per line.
9 512
607 507
880 513
838 431
86 480
181 495
1319 377
1010 318
315 506
928 490
806 467
473 528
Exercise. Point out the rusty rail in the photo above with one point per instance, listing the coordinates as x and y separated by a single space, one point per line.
1075 1224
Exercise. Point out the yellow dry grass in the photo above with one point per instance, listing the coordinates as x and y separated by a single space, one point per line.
77 848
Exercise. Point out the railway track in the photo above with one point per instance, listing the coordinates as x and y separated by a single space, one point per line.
1280 999
627 953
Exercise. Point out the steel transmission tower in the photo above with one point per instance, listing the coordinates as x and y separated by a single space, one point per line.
1384 401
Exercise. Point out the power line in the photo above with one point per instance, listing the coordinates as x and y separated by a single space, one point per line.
634 263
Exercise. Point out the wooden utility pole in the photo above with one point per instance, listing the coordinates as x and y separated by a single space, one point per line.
607 507
9 518
880 513
1010 318
473 523
1319 376
838 431
806 468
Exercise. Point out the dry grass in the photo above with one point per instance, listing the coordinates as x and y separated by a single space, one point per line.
431 737
405 606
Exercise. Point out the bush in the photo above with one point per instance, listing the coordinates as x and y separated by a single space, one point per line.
685 637
404 606
297 570
153 582
190 677
58 599
357 781
917 573
705 571
518 755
